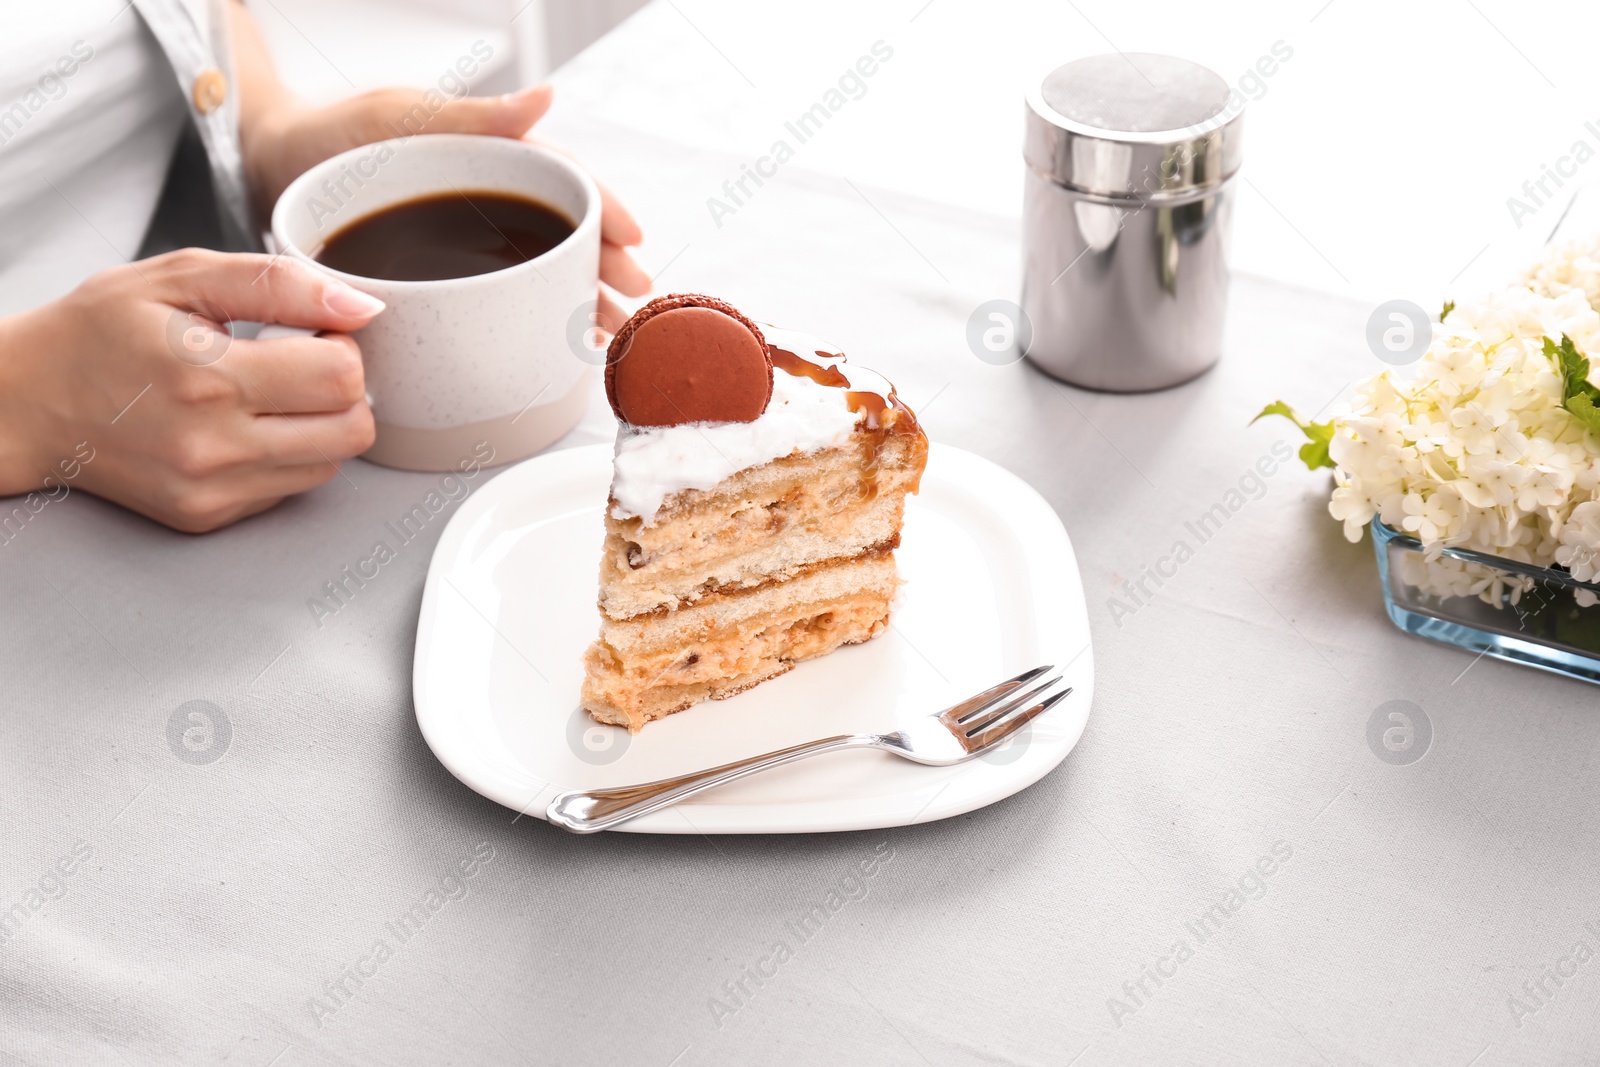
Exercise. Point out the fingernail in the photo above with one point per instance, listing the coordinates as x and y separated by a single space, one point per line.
352 303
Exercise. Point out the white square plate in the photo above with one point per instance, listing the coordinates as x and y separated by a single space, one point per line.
991 589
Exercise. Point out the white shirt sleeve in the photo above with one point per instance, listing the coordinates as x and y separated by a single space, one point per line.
93 97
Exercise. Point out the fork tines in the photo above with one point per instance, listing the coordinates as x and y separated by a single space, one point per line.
973 705
998 712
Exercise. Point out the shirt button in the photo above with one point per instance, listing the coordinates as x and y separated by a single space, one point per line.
210 89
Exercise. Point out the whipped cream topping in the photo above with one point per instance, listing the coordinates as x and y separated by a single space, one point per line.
653 462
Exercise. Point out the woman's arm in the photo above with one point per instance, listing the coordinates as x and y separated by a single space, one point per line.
265 103
135 368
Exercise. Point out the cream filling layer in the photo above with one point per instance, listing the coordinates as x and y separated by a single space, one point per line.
653 462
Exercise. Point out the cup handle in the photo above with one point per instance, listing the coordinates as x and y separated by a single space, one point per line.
274 331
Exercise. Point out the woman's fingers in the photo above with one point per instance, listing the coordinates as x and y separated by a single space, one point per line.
255 288
618 270
617 224
227 498
291 440
297 375
609 314
275 483
511 115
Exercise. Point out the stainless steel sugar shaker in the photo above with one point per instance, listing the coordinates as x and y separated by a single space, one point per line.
1129 191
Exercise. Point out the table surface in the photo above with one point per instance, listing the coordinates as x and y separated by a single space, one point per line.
250 908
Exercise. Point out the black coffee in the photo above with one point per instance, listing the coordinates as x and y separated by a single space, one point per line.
449 235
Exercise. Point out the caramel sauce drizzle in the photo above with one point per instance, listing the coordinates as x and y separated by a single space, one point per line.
889 416
800 367
885 415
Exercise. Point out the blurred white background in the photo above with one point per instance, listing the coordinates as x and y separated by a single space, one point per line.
1379 158
327 49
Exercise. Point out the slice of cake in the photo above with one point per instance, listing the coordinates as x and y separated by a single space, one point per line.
755 507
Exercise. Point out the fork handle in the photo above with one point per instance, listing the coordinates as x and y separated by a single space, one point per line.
601 809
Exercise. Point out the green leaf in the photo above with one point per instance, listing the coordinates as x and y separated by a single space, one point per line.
1583 409
1449 306
1314 453
1574 367
1277 407
1581 399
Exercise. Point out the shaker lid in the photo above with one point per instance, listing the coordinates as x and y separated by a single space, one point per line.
1133 125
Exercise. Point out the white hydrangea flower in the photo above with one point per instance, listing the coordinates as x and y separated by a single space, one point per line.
1430 518
1571 266
1474 429
1489 481
1579 549
1352 506
1475 451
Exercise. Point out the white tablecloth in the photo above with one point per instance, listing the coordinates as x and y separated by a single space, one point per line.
1222 872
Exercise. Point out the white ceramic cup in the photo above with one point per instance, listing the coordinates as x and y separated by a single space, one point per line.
460 361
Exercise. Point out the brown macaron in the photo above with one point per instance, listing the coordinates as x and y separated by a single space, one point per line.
688 358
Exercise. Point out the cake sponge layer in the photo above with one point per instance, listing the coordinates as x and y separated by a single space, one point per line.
651 666
765 523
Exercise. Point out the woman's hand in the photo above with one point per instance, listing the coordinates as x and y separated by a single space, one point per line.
284 141
186 425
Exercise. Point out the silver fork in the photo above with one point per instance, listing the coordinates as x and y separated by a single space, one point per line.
954 735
